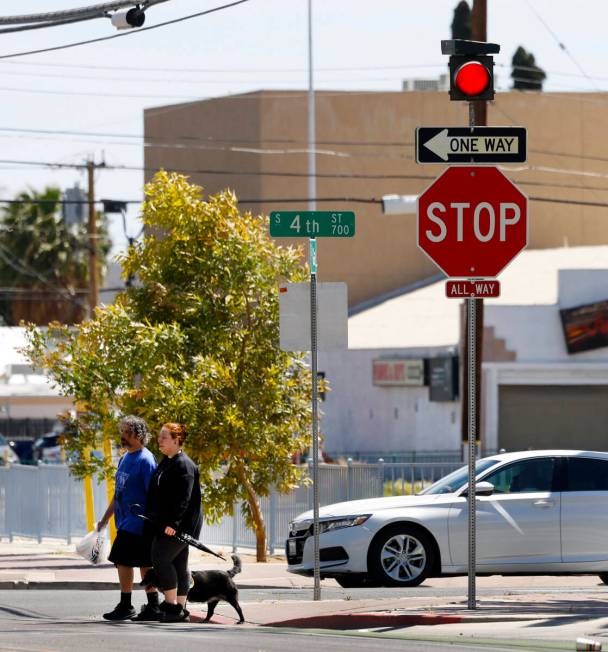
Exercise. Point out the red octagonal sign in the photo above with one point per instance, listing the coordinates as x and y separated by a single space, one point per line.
472 221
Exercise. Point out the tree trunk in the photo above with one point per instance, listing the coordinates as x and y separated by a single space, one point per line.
256 514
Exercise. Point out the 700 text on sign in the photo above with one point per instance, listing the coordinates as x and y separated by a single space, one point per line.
312 224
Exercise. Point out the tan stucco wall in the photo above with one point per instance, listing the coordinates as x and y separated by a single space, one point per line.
383 255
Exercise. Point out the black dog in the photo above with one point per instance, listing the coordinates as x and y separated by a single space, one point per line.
214 585
210 586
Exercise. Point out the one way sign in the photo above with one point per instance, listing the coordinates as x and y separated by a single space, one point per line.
487 145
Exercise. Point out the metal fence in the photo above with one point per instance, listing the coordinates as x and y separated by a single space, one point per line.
46 501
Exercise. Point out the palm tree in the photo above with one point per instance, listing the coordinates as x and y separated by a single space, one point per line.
43 262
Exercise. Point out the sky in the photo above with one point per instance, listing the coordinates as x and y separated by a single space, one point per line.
103 88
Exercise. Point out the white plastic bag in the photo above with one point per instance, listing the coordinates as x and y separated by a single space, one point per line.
94 547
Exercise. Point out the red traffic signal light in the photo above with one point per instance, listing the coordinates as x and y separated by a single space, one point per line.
471 78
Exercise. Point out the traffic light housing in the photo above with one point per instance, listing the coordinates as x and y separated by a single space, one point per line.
471 78
471 69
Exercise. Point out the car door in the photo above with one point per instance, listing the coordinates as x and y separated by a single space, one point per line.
585 510
518 524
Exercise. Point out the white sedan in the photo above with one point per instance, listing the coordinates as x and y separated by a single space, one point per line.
538 512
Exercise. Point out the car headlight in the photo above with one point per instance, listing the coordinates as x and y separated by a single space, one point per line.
344 521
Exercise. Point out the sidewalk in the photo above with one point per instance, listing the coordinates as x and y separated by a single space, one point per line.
579 603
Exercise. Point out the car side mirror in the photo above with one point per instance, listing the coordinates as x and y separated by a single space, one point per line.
481 489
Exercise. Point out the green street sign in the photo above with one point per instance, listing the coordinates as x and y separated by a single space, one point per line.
312 224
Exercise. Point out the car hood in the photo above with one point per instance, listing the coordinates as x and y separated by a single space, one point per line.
374 505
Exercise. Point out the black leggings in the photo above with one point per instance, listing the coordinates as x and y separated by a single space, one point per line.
170 561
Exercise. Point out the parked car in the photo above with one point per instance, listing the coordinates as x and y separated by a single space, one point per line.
6 452
538 512
47 449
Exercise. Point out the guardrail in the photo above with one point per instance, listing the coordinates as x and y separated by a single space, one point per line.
46 501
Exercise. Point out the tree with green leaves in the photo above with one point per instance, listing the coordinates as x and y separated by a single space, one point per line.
461 23
195 341
43 262
525 73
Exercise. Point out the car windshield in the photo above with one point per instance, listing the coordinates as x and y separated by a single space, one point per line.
453 481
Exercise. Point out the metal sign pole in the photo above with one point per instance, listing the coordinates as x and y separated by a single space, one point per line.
315 429
472 387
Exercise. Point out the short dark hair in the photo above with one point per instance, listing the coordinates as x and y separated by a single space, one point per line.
137 427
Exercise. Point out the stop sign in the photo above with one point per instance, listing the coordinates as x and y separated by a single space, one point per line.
472 221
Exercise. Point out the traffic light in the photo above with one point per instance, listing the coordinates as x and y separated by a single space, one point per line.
471 69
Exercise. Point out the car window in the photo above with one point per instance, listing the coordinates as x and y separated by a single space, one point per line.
523 477
453 481
586 474
2 440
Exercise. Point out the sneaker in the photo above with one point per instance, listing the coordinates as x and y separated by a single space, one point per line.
120 612
148 612
174 613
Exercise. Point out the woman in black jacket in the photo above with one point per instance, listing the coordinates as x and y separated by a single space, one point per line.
174 503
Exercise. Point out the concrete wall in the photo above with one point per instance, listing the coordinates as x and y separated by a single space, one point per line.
359 416
534 332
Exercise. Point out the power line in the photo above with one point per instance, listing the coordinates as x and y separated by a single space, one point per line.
561 45
98 10
114 36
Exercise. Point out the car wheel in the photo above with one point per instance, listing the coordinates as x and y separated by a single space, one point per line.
356 581
400 556
604 577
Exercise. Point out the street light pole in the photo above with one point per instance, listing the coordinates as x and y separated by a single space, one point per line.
312 205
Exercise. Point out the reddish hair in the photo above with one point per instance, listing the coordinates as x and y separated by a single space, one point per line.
177 431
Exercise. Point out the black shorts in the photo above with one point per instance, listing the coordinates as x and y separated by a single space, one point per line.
132 550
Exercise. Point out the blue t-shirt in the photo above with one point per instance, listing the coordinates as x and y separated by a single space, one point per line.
131 488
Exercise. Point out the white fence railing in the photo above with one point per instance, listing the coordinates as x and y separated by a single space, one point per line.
46 501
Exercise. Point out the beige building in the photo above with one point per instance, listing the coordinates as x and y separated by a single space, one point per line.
256 145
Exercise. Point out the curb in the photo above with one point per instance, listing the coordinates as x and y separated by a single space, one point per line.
364 620
371 620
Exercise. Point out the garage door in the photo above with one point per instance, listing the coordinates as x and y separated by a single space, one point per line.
553 416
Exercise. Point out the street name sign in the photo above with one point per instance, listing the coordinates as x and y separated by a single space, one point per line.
294 316
312 224
471 145
472 289
472 221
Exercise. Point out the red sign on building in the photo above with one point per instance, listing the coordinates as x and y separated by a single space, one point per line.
472 221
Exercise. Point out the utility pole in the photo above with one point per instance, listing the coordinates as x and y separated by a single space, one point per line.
92 232
479 19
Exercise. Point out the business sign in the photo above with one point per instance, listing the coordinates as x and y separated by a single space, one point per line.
312 224
294 317
398 372
443 379
472 222
585 327
471 145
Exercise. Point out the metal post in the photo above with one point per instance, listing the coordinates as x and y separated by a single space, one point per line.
472 435
68 500
236 513
380 477
312 164
92 232
349 478
272 520
315 429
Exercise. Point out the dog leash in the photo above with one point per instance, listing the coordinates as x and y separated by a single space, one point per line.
136 510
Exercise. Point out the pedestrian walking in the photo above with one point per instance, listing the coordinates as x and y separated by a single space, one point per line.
132 546
174 504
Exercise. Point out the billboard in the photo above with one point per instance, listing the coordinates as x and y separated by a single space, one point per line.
585 327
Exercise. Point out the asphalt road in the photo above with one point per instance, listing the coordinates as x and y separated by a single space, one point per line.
69 621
